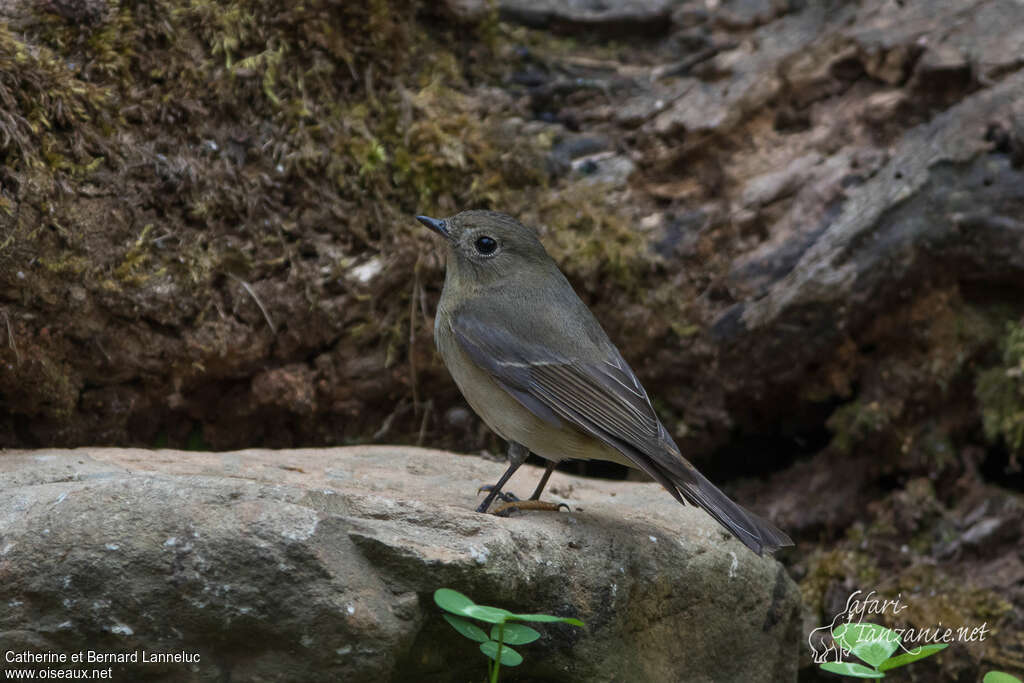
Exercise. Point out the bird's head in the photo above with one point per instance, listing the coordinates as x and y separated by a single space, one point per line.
485 246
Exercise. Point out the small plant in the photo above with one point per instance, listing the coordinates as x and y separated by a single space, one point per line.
874 645
1000 677
503 631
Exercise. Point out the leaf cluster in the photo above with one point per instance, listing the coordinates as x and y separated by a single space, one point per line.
504 631
874 645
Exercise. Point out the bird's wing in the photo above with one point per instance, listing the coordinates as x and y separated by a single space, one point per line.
605 399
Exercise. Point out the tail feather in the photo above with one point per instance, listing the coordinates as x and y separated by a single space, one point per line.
687 485
753 531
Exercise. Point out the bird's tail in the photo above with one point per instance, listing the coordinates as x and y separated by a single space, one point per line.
755 532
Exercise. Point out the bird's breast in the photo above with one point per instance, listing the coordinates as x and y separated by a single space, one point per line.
509 418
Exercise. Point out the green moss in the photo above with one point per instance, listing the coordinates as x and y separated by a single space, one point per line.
855 422
55 390
51 115
131 269
66 264
233 117
252 138
684 331
1000 393
828 567
594 240
939 598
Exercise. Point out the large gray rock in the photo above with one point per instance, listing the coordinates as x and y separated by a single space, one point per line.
946 204
320 565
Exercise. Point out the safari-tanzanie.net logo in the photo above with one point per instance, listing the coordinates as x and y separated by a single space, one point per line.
853 636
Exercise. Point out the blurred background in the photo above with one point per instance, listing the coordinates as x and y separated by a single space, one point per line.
802 223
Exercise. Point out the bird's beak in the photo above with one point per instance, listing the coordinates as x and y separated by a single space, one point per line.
435 224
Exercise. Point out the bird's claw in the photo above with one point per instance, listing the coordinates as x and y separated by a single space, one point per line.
503 496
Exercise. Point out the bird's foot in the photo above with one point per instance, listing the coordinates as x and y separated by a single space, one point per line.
509 506
510 503
504 497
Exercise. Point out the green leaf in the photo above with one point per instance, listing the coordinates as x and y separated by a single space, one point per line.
869 642
515 634
457 603
547 618
1000 677
466 628
912 656
851 669
509 657
453 601
492 615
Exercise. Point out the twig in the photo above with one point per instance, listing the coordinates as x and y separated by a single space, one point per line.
385 426
252 293
428 408
103 350
10 338
423 305
412 337
158 241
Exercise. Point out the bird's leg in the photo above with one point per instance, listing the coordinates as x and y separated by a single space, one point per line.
517 454
534 503
543 480
509 497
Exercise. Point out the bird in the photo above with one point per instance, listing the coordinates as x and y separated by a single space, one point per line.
537 367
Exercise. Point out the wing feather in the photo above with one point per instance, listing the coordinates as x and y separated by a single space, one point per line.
604 398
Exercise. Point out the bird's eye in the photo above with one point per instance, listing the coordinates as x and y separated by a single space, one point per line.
485 245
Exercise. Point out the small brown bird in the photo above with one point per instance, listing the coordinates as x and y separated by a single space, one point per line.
536 366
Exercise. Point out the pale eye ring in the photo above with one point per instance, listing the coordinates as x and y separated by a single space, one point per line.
485 245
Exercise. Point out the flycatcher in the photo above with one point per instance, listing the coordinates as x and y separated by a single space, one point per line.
536 366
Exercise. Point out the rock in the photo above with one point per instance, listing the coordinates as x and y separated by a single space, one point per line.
941 66
942 197
982 532
606 169
885 106
997 521
736 82
771 187
892 35
639 109
576 16
816 186
469 11
566 151
739 14
700 109
994 36
576 146
320 565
